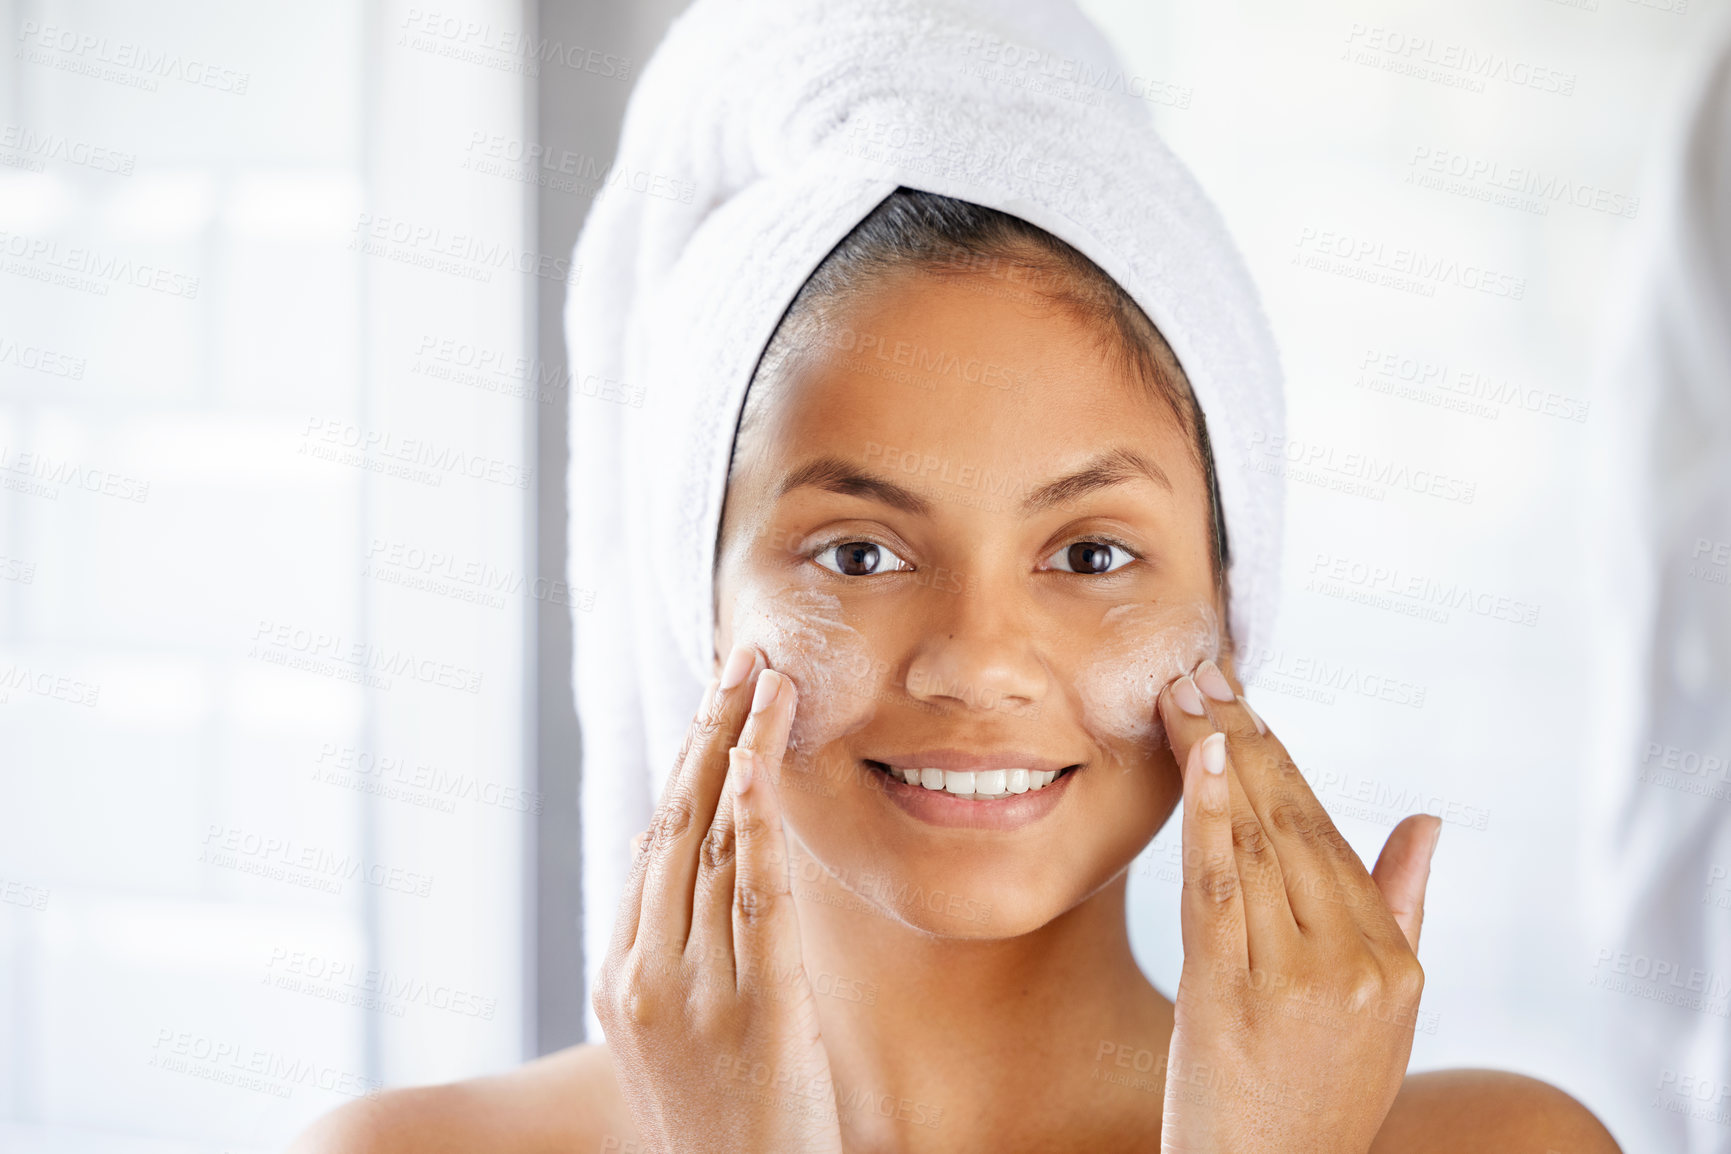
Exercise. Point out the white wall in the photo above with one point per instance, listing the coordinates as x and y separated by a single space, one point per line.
282 836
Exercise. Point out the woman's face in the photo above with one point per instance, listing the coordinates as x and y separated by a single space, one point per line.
974 544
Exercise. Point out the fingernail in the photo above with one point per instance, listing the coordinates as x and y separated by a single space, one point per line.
1261 726
739 663
767 689
1434 838
1214 753
1185 695
740 761
1211 681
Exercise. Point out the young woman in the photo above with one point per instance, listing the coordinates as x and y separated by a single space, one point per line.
882 903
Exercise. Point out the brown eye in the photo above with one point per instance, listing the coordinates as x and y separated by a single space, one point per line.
859 559
1090 557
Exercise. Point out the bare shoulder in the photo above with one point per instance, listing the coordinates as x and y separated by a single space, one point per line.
567 1102
1467 1111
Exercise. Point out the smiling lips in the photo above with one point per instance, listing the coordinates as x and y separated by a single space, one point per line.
974 777
978 785
966 791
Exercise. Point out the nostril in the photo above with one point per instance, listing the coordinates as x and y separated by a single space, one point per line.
992 684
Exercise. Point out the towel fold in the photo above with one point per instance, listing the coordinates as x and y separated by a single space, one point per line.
760 133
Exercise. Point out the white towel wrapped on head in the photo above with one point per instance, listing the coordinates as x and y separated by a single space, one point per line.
763 131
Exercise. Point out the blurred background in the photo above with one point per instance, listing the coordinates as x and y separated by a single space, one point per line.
288 765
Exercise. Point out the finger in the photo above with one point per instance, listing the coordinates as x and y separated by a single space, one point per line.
688 806
710 946
1269 921
765 926
1211 913
1326 882
1403 869
625 922
770 720
712 909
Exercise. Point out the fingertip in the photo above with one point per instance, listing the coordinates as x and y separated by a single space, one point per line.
1200 778
1422 830
1404 864
741 766
1212 682
740 662
766 691
1166 705
1188 698
1213 749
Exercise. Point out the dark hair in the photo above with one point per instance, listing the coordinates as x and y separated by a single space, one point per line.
998 254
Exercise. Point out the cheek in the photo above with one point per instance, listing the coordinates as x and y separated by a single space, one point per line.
1149 646
804 634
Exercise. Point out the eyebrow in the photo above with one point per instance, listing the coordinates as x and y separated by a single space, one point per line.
840 476
837 475
1109 468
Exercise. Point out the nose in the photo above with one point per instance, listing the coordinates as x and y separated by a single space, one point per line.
979 654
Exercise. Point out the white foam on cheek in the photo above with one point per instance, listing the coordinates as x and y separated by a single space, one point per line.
1150 646
804 634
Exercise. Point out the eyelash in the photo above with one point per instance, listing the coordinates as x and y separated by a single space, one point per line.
1098 539
829 545
848 539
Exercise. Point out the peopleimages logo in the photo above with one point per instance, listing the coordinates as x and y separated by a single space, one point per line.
414 458
1660 979
44 146
123 61
1357 473
477 42
1447 170
37 359
1461 388
331 654
1413 594
20 469
87 269
1456 65
309 866
230 1063
1399 266
459 254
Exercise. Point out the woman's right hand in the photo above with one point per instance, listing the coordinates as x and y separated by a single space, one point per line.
703 997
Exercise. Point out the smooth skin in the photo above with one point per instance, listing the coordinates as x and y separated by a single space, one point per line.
748 1006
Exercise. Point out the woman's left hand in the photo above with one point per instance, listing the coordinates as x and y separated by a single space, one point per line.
1300 985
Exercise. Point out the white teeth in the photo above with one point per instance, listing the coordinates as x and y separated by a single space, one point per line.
978 785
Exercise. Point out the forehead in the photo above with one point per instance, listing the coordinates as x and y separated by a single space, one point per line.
970 369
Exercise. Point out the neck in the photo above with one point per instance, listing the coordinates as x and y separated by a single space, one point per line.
954 1028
